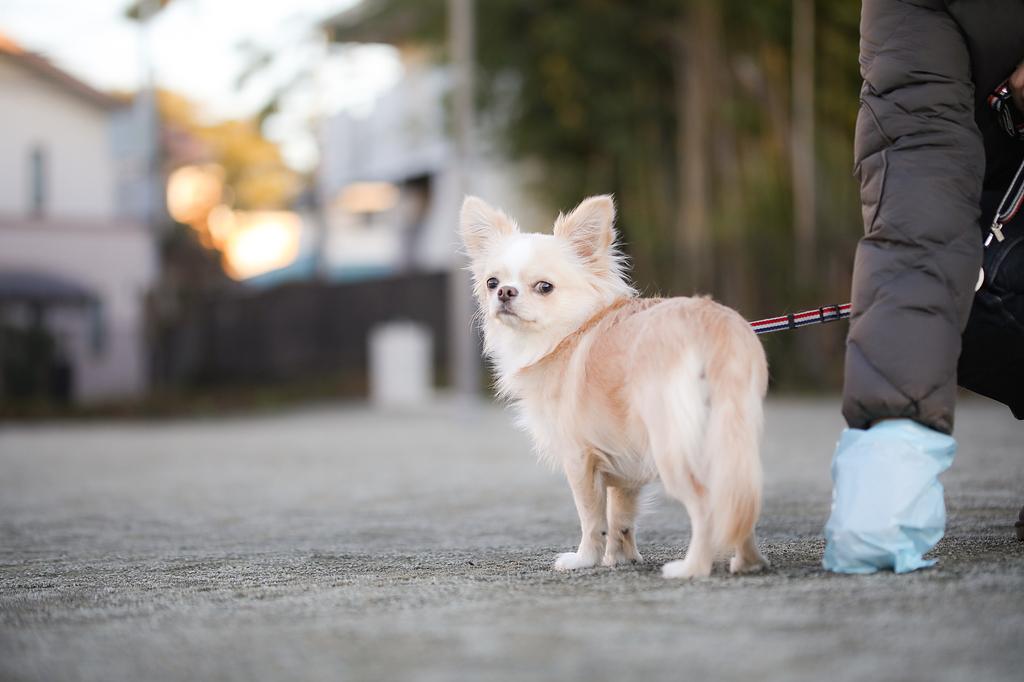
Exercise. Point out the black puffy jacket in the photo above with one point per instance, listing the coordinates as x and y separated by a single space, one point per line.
926 145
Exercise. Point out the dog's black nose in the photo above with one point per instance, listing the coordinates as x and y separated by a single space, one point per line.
507 293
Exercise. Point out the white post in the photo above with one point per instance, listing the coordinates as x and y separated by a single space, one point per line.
401 366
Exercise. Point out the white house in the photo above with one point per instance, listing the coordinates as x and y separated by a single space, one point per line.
76 256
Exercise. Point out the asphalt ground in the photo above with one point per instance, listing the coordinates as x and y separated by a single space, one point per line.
338 543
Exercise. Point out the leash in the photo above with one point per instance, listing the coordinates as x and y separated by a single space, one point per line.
826 313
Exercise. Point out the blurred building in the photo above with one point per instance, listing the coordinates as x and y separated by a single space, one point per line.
389 181
76 256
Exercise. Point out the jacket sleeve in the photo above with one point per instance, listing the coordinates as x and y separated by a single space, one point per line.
920 162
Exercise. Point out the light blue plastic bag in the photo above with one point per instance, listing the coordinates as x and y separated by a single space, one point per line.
887 502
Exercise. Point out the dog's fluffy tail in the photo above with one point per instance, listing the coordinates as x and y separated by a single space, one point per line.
732 444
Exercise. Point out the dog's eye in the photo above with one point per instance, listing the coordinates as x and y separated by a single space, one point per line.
544 288
492 283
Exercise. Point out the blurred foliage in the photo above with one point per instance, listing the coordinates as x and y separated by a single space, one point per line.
594 91
255 174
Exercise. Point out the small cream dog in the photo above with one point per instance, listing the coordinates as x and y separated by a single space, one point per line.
620 390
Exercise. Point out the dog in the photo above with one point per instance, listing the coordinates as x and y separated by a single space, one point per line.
620 390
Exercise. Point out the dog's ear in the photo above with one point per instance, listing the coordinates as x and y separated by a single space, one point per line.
589 227
480 223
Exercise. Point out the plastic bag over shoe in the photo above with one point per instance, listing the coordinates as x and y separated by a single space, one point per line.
887 503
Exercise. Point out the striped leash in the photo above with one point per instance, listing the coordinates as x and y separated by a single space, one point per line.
826 313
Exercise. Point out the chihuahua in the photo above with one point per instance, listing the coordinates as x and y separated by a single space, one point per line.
620 390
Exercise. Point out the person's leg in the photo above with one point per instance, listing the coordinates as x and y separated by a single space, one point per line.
920 163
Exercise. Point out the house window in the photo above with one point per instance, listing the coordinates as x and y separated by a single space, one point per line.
37 175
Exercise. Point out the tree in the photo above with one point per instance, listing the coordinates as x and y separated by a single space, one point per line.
254 172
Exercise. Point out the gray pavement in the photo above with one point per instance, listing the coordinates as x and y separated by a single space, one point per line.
335 543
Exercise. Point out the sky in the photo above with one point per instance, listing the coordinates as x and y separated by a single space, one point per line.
195 46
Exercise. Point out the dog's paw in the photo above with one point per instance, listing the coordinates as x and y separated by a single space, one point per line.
570 561
620 557
683 569
738 565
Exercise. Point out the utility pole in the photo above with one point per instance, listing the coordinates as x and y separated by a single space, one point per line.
463 349
145 108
